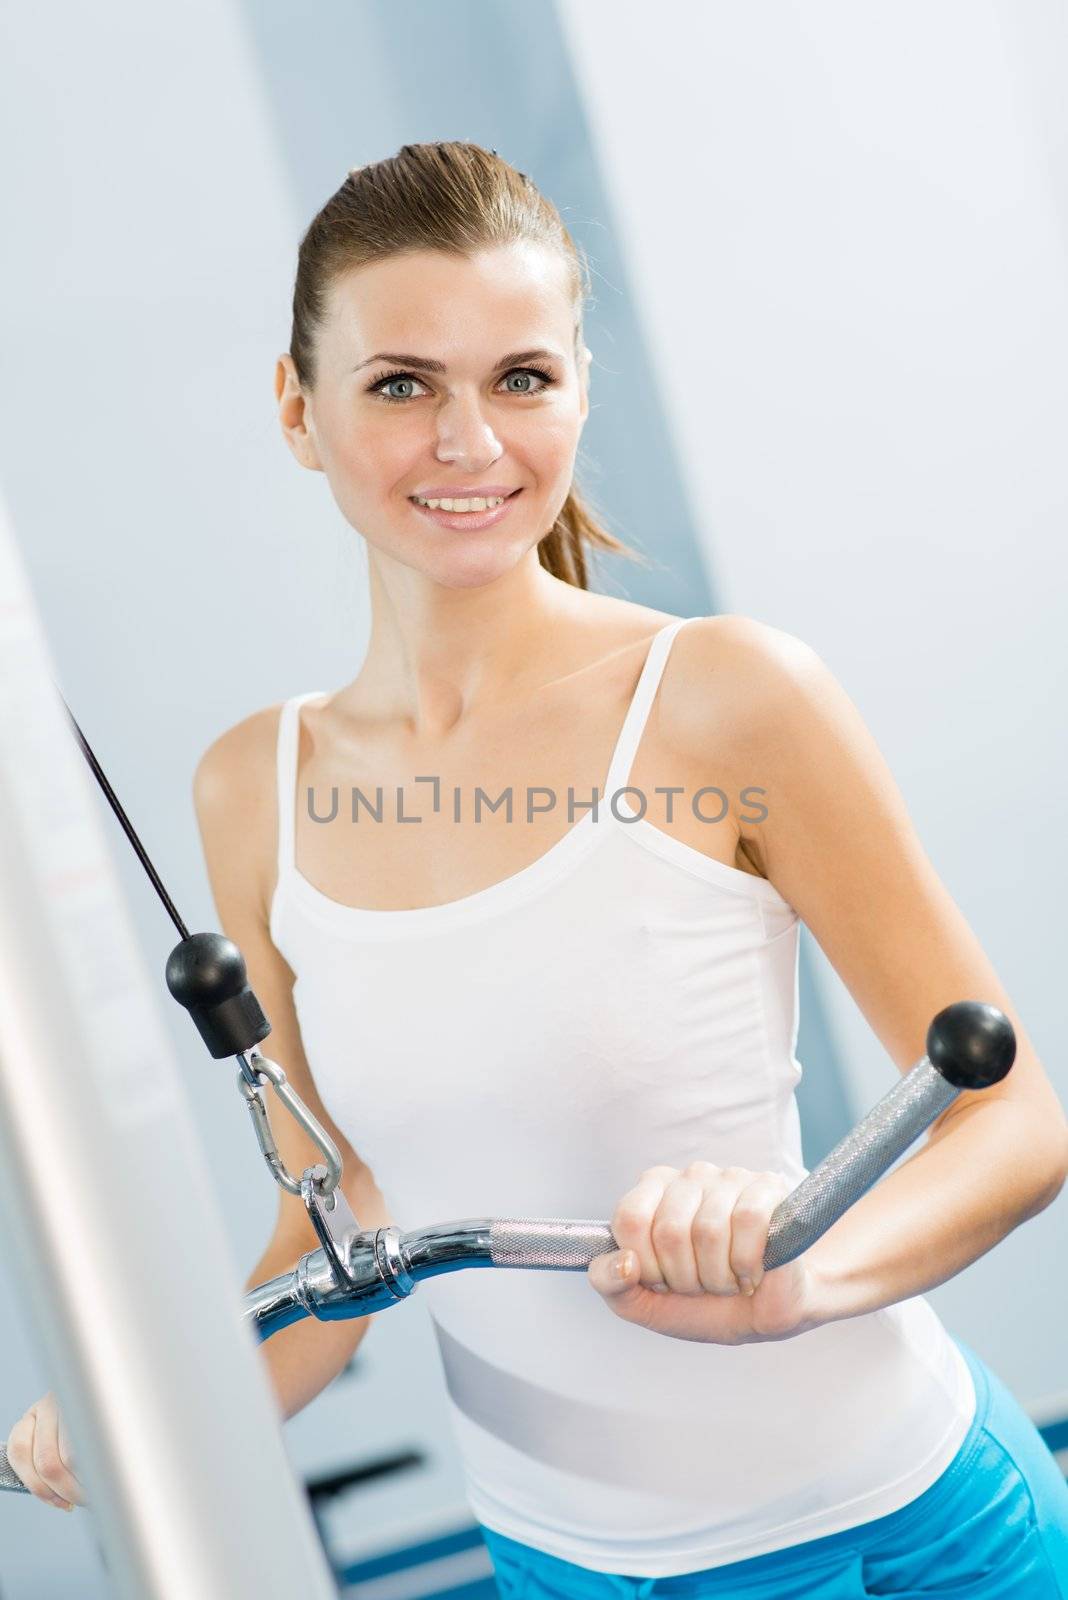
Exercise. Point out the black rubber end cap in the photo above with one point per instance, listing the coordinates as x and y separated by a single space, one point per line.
971 1044
207 975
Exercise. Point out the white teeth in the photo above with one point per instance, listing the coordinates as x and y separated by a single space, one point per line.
461 505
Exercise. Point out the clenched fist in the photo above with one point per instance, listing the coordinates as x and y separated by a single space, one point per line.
40 1451
690 1262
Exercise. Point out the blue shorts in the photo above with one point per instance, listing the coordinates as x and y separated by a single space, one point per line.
994 1526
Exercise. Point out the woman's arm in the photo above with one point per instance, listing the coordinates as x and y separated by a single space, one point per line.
234 796
839 845
979 1175
304 1358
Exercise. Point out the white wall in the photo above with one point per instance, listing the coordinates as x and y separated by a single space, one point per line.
847 235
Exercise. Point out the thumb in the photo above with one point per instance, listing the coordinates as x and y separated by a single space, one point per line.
613 1274
616 1278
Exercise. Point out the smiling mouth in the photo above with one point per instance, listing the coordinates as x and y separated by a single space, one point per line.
417 501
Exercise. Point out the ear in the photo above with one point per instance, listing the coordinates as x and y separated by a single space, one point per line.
293 414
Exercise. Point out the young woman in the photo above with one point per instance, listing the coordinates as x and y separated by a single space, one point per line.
559 1011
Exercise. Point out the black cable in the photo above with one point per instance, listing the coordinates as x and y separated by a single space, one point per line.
113 801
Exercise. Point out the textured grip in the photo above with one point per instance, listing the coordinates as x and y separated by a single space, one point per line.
9 1478
854 1165
803 1217
545 1242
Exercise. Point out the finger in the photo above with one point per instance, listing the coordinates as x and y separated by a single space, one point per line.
66 1448
682 1316
671 1234
633 1218
615 1277
711 1230
750 1221
20 1455
48 1459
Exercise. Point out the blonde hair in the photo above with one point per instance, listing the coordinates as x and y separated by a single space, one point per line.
459 198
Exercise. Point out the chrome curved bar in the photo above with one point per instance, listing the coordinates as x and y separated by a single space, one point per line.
381 1268
971 1044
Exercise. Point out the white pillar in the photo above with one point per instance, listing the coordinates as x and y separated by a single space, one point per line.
117 1239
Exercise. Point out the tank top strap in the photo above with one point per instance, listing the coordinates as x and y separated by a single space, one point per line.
288 749
638 711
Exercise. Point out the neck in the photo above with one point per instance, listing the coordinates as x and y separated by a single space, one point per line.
439 657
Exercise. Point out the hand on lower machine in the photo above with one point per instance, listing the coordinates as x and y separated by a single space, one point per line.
693 1242
39 1449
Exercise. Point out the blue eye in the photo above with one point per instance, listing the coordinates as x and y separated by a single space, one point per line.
400 377
378 388
522 372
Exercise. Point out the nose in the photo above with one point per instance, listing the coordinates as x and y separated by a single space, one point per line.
465 437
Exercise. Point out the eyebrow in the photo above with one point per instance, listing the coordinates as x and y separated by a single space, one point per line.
421 364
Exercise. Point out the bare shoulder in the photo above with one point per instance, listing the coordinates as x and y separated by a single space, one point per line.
231 775
234 795
731 678
250 740
733 638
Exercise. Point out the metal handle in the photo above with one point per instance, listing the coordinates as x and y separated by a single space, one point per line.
9 1478
969 1046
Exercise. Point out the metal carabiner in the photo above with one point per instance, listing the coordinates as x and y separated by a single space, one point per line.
269 1072
206 974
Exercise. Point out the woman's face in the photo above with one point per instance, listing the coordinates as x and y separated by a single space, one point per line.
478 419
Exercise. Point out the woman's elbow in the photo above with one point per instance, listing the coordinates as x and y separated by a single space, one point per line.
1052 1168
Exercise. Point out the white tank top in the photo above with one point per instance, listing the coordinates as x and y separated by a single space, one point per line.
526 1051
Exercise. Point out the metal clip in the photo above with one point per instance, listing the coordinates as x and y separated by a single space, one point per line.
333 1221
266 1071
